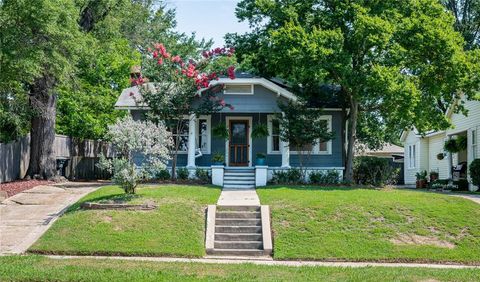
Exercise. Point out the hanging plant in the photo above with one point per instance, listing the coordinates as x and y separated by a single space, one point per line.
440 156
220 131
462 142
259 131
451 146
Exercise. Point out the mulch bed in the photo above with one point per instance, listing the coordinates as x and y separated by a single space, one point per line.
18 186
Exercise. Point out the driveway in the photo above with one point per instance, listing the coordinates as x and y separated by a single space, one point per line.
27 215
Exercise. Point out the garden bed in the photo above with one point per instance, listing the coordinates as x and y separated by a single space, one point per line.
15 187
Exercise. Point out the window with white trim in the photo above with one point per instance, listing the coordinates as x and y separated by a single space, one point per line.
320 148
203 128
412 156
474 144
273 139
238 89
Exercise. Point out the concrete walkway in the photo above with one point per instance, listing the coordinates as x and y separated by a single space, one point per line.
471 197
238 197
26 216
273 262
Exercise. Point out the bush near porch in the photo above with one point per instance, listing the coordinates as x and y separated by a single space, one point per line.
371 224
175 228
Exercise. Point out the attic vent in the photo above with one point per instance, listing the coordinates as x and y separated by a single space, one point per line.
241 89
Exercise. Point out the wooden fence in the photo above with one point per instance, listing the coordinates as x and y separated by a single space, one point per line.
82 158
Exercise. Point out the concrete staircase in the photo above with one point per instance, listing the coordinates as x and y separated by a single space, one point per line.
239 178
238 231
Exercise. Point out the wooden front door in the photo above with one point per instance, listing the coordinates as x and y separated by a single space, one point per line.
238 143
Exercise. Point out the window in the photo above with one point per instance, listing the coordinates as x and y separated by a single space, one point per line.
274 142
273 139
202 135
474 144
239 89
412 156
182 136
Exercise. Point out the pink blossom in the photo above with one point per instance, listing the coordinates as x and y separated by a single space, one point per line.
160 61
232 108
231 72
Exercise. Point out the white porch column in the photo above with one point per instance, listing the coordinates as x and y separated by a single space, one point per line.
285 149
192 128
449 162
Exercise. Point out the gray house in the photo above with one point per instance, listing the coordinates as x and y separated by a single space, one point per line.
255 100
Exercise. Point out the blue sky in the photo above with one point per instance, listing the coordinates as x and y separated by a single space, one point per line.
207 18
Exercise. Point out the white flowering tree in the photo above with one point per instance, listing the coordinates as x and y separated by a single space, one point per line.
142 137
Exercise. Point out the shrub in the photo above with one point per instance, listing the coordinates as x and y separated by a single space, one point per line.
182 173
218 158
202 175
475 172
290 176
374 171
328 177
421 175
162 174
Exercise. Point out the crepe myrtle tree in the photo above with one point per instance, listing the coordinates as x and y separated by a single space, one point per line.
179 87
302 127
130 137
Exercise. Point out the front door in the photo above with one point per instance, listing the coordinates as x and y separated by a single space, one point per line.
238 143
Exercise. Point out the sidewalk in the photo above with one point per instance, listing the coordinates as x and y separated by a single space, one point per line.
273 262
24 217
238 197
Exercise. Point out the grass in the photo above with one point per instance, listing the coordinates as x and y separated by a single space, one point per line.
36 268
175 228
374 225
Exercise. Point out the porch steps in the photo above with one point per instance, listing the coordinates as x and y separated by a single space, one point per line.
238 231
239 178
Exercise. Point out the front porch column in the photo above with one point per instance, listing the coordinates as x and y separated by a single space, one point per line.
192 128
285 148
450 163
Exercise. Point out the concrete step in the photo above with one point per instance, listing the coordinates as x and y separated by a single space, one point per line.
237 229
242 177
238 214
238 208
245 174
237 252
238 222
239 182
238 186
238 237
238 245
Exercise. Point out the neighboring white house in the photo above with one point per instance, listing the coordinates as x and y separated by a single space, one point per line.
421 152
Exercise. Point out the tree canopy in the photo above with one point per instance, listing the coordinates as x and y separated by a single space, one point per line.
397 63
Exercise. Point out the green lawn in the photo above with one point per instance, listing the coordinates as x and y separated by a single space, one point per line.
176 228
368 224
34 268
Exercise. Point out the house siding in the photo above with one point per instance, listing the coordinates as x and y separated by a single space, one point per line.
421 154
435 145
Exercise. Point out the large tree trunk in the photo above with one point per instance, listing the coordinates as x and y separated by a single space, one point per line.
352 136
42 133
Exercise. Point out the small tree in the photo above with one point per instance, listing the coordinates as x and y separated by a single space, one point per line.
303 128
129 137
180 87
475 172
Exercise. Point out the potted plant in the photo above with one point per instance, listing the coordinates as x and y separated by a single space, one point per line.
421 179
218 159
260 159
433 176
440 156
451 146
259 131
220 131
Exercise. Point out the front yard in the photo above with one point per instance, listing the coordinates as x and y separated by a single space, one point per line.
372 225
35 268
175 228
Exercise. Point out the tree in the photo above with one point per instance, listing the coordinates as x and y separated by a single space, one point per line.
397 63
129 136
467 20
175 84
301 138
38 49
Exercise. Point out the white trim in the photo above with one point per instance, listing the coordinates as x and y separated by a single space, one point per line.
411 154
227 151
270 137
316 148
260 81
209 134
234 93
